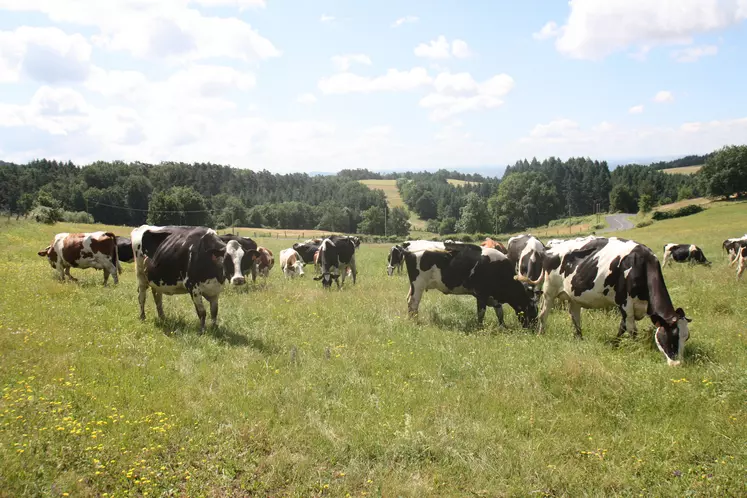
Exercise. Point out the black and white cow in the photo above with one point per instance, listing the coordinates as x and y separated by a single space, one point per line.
241 255
395 259
526 252
467 269
741 258
308 250
731 247
682 253
179 260
598 272
335 253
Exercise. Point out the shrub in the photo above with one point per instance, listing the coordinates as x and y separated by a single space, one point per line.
677 213
643 224
77 217
46 214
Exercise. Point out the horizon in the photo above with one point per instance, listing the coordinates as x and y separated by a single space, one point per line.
319 88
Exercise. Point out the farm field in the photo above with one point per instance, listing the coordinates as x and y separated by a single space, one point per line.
684 170
308 393
390 190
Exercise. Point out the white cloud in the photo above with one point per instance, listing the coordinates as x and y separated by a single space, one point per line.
458 93
663 96
306 98
47 55
565 138
597 29
636 109
161 29
404 20
440 48
241 4
549 30
326 18
343 62
692 54
392 81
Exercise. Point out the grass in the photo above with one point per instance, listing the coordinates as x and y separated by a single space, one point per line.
393 199
684 170
305 393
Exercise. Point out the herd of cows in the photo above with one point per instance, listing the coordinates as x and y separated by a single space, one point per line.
586 272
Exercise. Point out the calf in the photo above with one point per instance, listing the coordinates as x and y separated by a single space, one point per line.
242 255
467 269
494 244
83 250
336 252
265 261
395 259
526 252
598 272
291 263
682 253
179 260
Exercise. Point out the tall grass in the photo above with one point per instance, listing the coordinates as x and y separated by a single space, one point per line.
303 392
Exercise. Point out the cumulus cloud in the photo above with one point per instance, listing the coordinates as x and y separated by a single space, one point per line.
393 81
48 55
636 109
404 20
458 93
663 96
343 62
692 54
326 18
306 98
440 48
596 29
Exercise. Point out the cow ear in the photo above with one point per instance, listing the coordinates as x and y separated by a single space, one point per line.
538 293
43 252
681 314
657 320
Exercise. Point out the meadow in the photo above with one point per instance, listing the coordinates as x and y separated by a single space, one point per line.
683 170
301 392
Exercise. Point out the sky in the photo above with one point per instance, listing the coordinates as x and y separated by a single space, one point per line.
385 85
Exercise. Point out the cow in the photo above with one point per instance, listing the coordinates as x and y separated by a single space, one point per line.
682 253
731 247
395 259
83 250
467 269
124 250
742 258
265 261
527 253
291 263
180 260
336 252
553 242
241 257
309 251
599 272
493 244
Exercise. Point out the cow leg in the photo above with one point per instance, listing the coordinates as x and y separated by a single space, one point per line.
200 308
627 322
213 309
575 311
67 272
546 308
158 299
499 315
481 305
114 273
254 272
141 290
106 276
413 300
353 269
741 267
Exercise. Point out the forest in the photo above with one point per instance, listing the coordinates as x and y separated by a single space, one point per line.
530 193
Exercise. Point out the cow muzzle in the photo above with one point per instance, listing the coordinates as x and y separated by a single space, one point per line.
238 280
390 270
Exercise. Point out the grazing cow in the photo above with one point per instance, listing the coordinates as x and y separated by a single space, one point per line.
598 272
291 263
179 260
309 252
395 259
124 250
553 242
493 244
682 253
265 261
731 247
241 257
527 253
336 252
467 269
83 250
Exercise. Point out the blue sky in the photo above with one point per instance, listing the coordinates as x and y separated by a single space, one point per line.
320 86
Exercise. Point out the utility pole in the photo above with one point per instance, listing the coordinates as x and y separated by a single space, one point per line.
386 208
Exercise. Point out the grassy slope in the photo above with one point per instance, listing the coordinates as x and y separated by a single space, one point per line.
684 170
94 401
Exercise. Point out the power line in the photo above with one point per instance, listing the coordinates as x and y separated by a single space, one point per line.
155 210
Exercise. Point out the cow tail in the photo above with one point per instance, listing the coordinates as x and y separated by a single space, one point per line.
115 253
527 280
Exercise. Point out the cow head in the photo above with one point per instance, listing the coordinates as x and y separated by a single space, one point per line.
327 278
211 251
394 258
671 335
49 253
527 312
232 263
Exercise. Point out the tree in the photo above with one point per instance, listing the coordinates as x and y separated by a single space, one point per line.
645 203
398 222
426 206
333 218
725 173
234 213
622 199
25 203
447 226
137 194
473 216
373 221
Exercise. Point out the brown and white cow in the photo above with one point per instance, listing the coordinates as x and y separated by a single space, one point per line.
265 261
291 263
494 244
83 250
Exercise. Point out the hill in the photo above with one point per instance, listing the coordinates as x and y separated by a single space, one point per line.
683 170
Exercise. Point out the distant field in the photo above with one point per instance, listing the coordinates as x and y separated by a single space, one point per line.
685 170
276 233
390 190
301 392
679 204
460 182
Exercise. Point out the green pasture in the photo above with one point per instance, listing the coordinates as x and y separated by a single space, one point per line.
302 392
